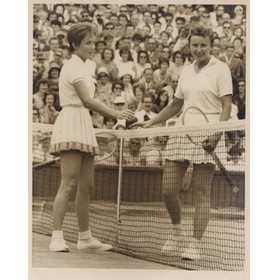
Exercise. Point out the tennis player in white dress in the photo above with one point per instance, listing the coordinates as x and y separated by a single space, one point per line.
73 138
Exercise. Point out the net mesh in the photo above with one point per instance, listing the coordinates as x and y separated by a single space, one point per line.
129 196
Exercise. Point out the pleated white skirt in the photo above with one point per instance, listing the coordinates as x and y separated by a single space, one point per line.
73 130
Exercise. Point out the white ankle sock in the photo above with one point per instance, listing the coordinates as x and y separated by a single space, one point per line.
86 235
57 234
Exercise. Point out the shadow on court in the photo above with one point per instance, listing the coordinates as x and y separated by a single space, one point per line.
42 257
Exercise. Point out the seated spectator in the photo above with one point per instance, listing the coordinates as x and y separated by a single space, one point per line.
117 90
119 105
109 41
48 113
170 30
180 23
126 62
157 30
107 61
139 91
142 63
216 50
171 87
239 98
42 64
127 78
148 81
136 42
178 63
35 115
100 45
152 52
166 53
132 104
54 45
133 155
154 157
161 101
53 75
62 36
205 20
236 65
159 47
238 46
109 123
165 38
238 32
104 86
162 75
182 39
224 42
146 113
238 15
38 97
57 58
125 43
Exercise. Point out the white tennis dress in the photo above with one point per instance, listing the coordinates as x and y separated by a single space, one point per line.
203 90
73 129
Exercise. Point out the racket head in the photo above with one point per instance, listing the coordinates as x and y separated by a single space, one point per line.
107 145
195 110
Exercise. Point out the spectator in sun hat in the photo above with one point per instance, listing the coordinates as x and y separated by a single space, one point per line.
119 105
104 86
62 36
127 78
238 15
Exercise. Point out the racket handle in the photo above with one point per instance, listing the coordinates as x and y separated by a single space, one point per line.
44 164
228 178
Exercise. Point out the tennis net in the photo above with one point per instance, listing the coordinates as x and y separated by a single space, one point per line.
128 206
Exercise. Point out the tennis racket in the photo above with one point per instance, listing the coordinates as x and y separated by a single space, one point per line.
216 159
107 145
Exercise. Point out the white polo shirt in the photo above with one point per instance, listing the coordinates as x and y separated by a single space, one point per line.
74 70
204 89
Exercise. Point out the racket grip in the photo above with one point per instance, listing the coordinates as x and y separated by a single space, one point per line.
228 178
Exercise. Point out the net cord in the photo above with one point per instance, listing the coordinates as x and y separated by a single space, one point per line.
162 131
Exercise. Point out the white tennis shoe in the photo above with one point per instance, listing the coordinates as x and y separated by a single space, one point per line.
170 245
93 244
192 253
58 245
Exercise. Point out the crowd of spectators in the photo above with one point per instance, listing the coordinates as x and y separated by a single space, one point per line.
140 51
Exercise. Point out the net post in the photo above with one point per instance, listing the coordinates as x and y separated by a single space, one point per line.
120 178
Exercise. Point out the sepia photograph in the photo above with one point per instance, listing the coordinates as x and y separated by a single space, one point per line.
139 139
